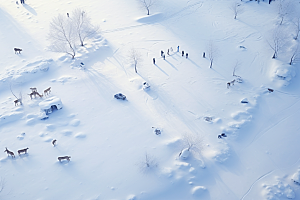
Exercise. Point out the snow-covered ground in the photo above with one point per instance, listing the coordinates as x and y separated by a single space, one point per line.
110 140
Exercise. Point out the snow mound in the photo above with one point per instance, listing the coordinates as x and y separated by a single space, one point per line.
131 197
241 115
47 139
150 18
64 79
210 119
26 73
75 122
66 132
10 117
283 73
278 190
21 136
222 155
296 177
198 191
184 154
80 135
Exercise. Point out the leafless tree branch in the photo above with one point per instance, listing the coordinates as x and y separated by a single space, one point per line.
147 4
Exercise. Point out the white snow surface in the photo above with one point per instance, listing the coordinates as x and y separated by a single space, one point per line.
114 152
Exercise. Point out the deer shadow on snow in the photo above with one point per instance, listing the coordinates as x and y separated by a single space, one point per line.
30 9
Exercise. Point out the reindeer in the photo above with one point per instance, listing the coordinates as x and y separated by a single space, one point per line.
47 90
22 151
17 50
40 95
64 158
54 142
33 89
230 83
34 93
17 101
9 152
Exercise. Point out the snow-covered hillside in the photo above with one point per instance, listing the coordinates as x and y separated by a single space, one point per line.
115 150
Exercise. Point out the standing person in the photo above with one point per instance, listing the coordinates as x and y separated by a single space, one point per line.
154 61
182 53
161 53
203 54
178 49
68 14
22 1
168 52
186 55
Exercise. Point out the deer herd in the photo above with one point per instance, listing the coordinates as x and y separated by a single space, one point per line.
34 93
20 151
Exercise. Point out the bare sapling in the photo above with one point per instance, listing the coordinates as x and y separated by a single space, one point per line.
18 99
193 143
277 41
135 57
213 52
236 8
82 25
297 26
62 36
285 8
147 163
295 54
147 4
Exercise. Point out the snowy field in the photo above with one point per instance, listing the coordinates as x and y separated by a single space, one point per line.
137 149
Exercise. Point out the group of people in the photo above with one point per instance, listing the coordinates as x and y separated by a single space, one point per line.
162 54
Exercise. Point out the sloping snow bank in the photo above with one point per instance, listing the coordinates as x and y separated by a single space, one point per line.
282 74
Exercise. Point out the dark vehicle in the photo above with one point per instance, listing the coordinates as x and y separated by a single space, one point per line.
120 96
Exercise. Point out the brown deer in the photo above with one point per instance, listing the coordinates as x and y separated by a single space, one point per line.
23 150
9 152
64 158
47 91
230 83
33 89
17 50
34 93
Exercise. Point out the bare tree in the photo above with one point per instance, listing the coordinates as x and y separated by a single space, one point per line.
277 41
147 163
295 54
236 8
297 24
147 4
62 36
213 52
82 25
135 57
285 7
193 142
20 98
